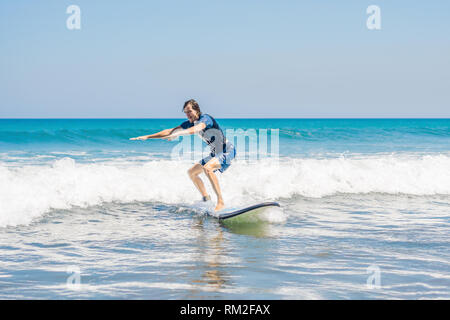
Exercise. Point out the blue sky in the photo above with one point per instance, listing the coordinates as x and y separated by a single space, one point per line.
143 59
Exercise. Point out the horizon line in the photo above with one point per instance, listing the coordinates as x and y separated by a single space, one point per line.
235 118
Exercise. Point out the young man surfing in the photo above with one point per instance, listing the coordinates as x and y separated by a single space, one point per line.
222 151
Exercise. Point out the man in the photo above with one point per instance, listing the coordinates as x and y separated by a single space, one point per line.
222 151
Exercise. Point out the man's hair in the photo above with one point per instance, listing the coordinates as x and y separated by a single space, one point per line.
194 105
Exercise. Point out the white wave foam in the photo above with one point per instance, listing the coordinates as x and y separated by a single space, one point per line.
28 192
274 215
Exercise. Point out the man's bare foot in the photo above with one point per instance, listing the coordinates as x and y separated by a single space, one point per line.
220 206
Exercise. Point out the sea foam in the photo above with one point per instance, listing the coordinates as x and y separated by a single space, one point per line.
28 192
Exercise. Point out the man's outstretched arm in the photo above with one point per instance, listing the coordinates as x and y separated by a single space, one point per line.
162 134
185 132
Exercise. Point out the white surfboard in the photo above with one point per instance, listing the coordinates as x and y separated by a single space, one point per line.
246 214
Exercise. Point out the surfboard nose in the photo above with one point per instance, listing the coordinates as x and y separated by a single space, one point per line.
224 215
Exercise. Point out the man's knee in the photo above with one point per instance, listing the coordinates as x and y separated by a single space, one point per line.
209 168
191 172
194 171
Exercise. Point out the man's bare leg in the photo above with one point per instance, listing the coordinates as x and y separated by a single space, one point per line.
193 174
209 168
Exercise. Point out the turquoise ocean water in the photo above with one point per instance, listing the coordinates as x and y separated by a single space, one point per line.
87 213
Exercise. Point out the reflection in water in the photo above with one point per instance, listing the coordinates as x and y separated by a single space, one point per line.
259 230
211 256
211 264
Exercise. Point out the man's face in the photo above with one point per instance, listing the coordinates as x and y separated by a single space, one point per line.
191 114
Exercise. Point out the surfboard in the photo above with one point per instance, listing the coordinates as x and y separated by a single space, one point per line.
246 214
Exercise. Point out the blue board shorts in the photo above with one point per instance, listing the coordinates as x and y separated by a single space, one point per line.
223 157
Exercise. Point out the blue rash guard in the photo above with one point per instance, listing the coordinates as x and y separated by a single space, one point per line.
213 135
